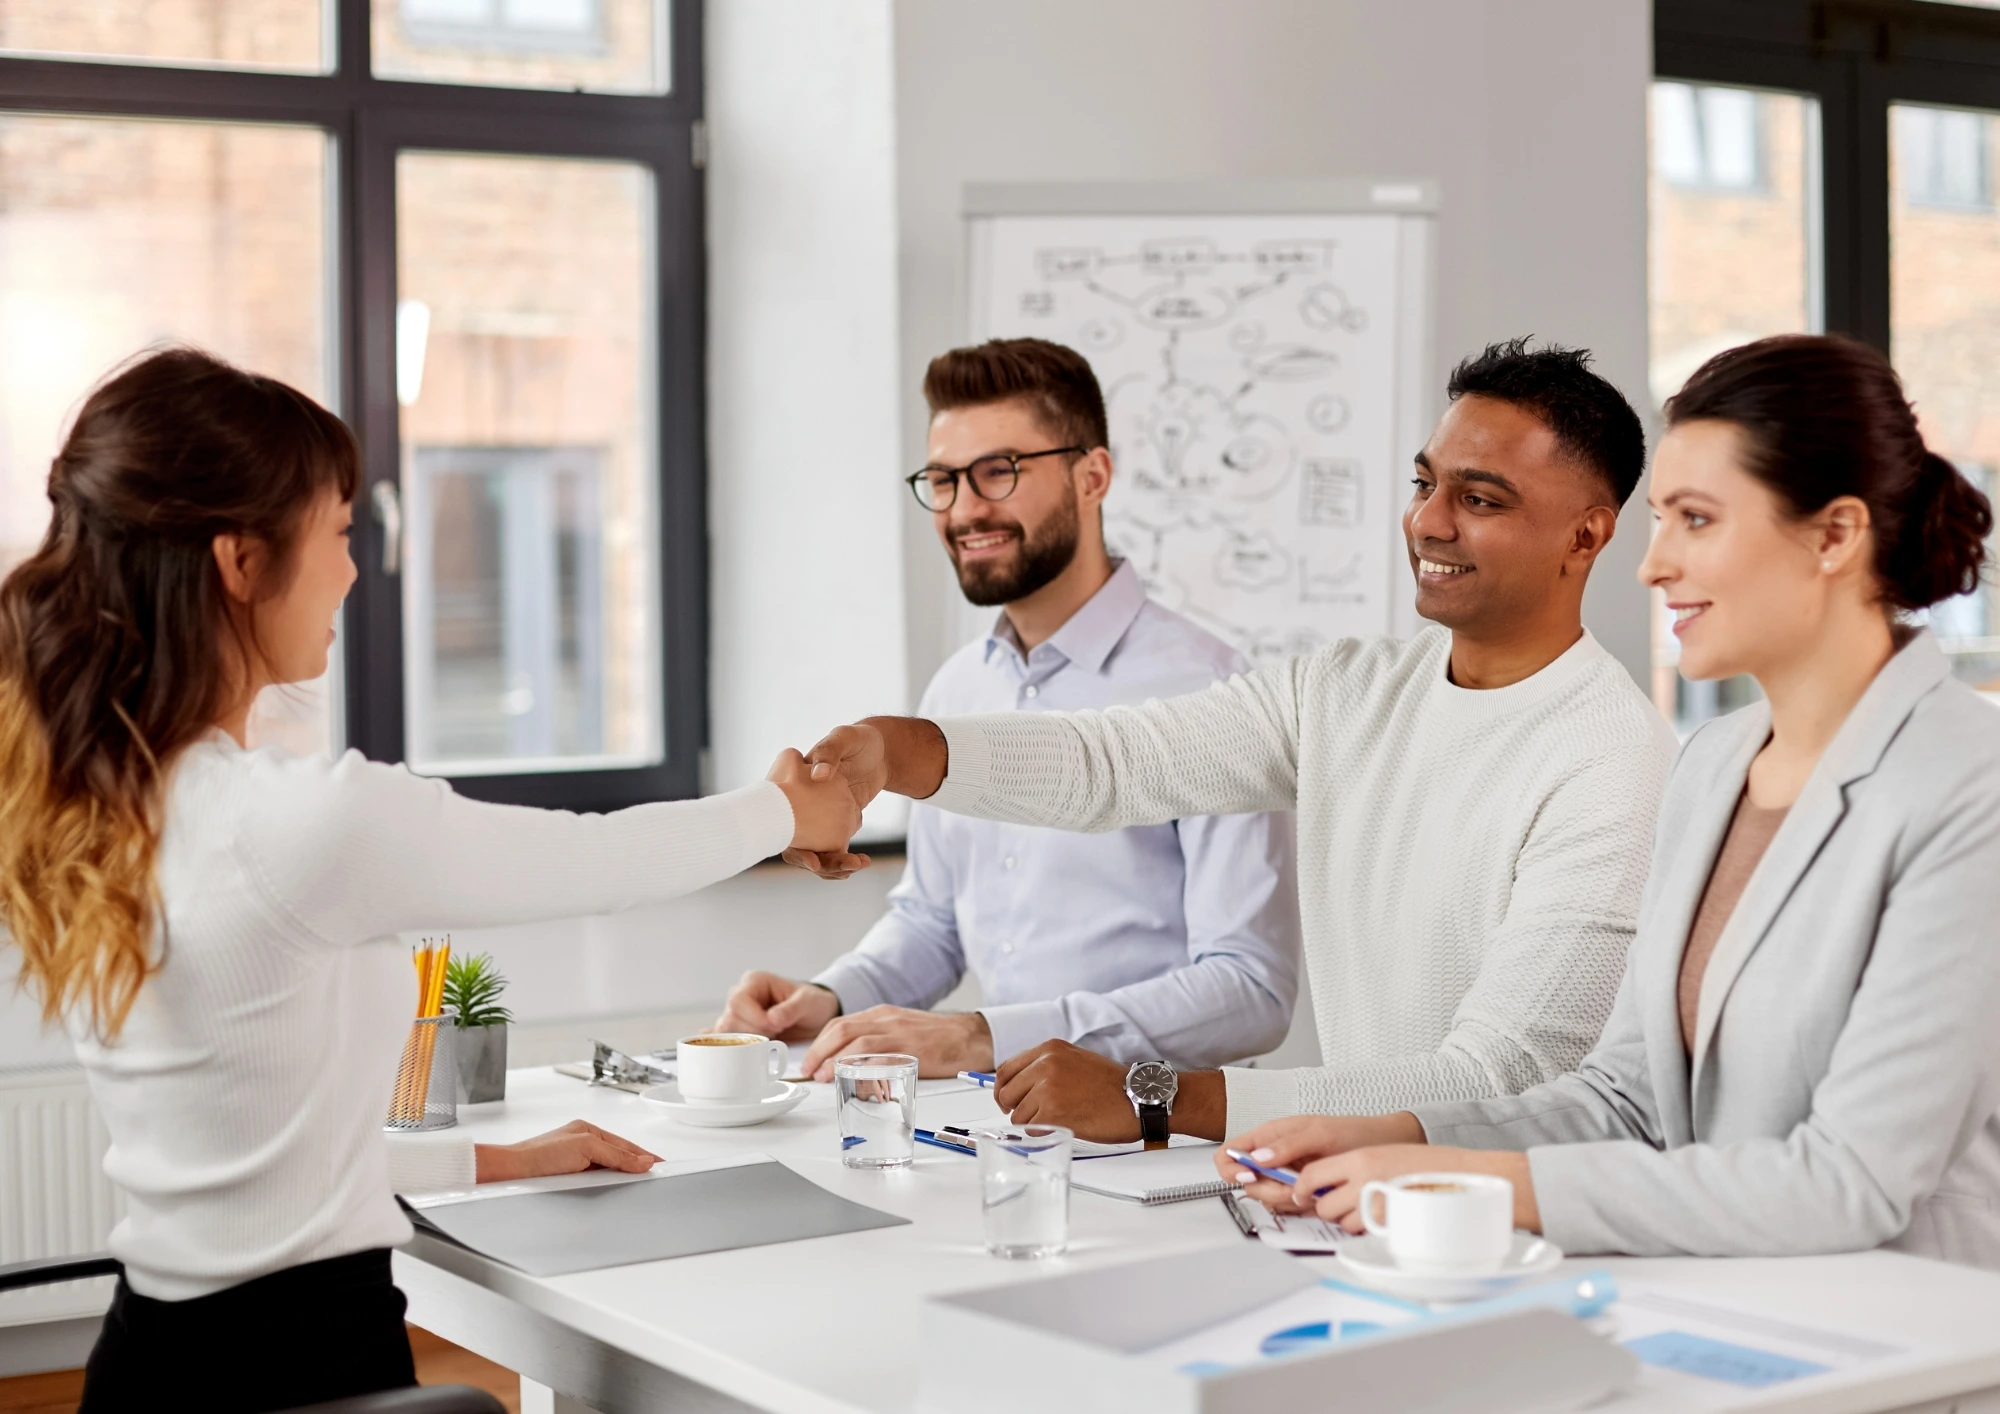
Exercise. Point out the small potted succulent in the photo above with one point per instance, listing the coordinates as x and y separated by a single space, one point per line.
472 988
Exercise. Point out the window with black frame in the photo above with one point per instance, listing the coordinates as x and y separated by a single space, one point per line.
1830 165
472 227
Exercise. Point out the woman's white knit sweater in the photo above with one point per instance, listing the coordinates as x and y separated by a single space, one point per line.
1470 862
246 1094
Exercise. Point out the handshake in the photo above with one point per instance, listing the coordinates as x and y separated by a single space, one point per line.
829 786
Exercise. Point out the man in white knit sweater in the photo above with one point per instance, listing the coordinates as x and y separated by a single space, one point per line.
1475 806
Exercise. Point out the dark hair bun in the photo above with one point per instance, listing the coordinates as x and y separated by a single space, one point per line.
1825 417
1942 543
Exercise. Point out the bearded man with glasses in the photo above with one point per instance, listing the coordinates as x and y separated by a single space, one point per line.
1176 940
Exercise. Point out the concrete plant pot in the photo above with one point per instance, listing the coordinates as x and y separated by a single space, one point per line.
482 1063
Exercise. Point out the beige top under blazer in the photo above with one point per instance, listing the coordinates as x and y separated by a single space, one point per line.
1846 1067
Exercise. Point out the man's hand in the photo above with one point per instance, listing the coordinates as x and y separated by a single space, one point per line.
1060 1083
572 1149
944 1042
1302 1139
777 1007
906 755
825 812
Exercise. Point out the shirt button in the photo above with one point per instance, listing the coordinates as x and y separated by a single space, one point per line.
1007 947
1008 862
1031 691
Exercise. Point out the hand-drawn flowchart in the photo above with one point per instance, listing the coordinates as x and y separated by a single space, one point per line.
1249 371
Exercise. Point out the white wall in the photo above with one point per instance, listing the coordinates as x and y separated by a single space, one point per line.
803 432
1530 114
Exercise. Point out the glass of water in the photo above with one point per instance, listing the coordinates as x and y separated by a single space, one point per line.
1024 1189
878 1110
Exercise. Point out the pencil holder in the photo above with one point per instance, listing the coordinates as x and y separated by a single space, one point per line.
426 1094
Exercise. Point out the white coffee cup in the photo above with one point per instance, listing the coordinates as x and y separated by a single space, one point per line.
1443 1222
727 1066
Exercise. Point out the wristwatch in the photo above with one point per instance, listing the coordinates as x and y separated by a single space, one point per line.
1151 1086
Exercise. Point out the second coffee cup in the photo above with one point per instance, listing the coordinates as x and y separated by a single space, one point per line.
1443 1222
727 1067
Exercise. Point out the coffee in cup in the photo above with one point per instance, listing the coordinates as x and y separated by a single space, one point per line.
728 1067
1460 1223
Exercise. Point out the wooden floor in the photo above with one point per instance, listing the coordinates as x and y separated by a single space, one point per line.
439 1362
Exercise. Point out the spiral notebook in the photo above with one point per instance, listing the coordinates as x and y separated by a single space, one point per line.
1154 1177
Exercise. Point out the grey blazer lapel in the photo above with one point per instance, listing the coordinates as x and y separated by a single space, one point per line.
1689 860
1854 752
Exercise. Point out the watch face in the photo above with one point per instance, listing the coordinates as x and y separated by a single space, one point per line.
1152 1083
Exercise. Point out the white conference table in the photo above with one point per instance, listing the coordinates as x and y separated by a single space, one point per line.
832 1324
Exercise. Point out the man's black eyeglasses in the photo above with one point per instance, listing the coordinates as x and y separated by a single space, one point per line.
993 478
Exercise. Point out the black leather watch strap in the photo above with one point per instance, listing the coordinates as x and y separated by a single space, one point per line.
1153 1125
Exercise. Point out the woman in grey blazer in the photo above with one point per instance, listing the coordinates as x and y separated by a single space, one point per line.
1805 1052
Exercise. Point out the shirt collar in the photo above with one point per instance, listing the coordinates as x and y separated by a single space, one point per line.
1090 633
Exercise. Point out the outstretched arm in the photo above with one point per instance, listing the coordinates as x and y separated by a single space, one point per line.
1230 749
353 850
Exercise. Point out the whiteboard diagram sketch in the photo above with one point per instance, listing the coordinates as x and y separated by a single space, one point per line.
1251 368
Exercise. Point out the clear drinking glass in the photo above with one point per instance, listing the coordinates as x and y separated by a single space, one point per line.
878 1110
1024 1189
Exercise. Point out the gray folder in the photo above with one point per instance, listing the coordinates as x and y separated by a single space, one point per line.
583 1229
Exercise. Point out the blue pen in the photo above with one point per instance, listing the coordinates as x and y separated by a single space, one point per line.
981 1078
926 1136
1284 1176
1276 1175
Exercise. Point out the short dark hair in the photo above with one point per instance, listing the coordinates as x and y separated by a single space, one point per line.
1591 420
1824 416
1057 380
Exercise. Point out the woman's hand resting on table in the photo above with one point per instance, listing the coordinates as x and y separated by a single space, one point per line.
1341 1153
577 1146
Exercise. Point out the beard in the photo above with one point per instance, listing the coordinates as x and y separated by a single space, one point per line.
1038 557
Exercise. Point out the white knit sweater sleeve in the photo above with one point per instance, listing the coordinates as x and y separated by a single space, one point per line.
431 1163
353 850
1549 972
1230 749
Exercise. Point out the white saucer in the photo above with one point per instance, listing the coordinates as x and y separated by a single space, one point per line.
1366 1259
781 1098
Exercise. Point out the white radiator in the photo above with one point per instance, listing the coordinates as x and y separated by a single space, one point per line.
54 1197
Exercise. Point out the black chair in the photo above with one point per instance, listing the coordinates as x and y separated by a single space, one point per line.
421 1399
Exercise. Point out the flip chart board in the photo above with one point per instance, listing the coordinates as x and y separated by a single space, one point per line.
1263 350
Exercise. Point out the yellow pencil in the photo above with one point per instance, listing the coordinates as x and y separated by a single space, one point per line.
433 1005
399 1109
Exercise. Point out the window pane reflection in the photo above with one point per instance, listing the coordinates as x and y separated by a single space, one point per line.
1944 317
116 235
530 632
1734 212
599 46
231 34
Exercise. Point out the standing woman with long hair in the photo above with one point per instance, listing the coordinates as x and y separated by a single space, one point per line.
216 926
1804 1055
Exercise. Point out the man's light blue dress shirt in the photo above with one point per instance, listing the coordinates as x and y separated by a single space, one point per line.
1178 941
